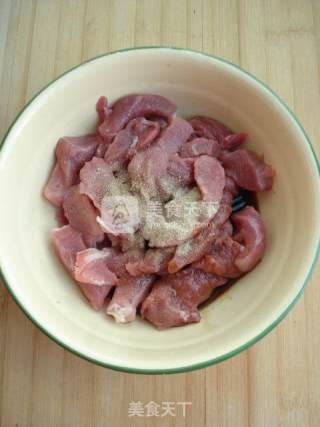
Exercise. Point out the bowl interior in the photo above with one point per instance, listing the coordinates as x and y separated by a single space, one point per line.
199 85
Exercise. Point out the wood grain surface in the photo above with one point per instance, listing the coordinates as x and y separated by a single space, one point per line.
276 383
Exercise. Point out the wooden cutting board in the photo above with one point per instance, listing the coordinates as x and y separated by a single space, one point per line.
276 383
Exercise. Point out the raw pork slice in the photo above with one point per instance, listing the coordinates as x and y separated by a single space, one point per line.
174 298
117 260
127 296
234 140
221 258
81 215
102 262
145 130
146 170
154 261
248 170
181 170
175 135
200 146
206 127
91 267
72 153
56 187
95 176
117 154
133 106
95 294
250 231
137 135
210 178
195 248
102 109
68 242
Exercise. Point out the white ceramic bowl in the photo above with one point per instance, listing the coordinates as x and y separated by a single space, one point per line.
199 84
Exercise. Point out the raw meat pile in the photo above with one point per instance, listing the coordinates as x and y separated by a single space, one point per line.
144 208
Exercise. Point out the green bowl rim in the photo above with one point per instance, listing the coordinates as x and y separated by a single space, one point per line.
230 353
